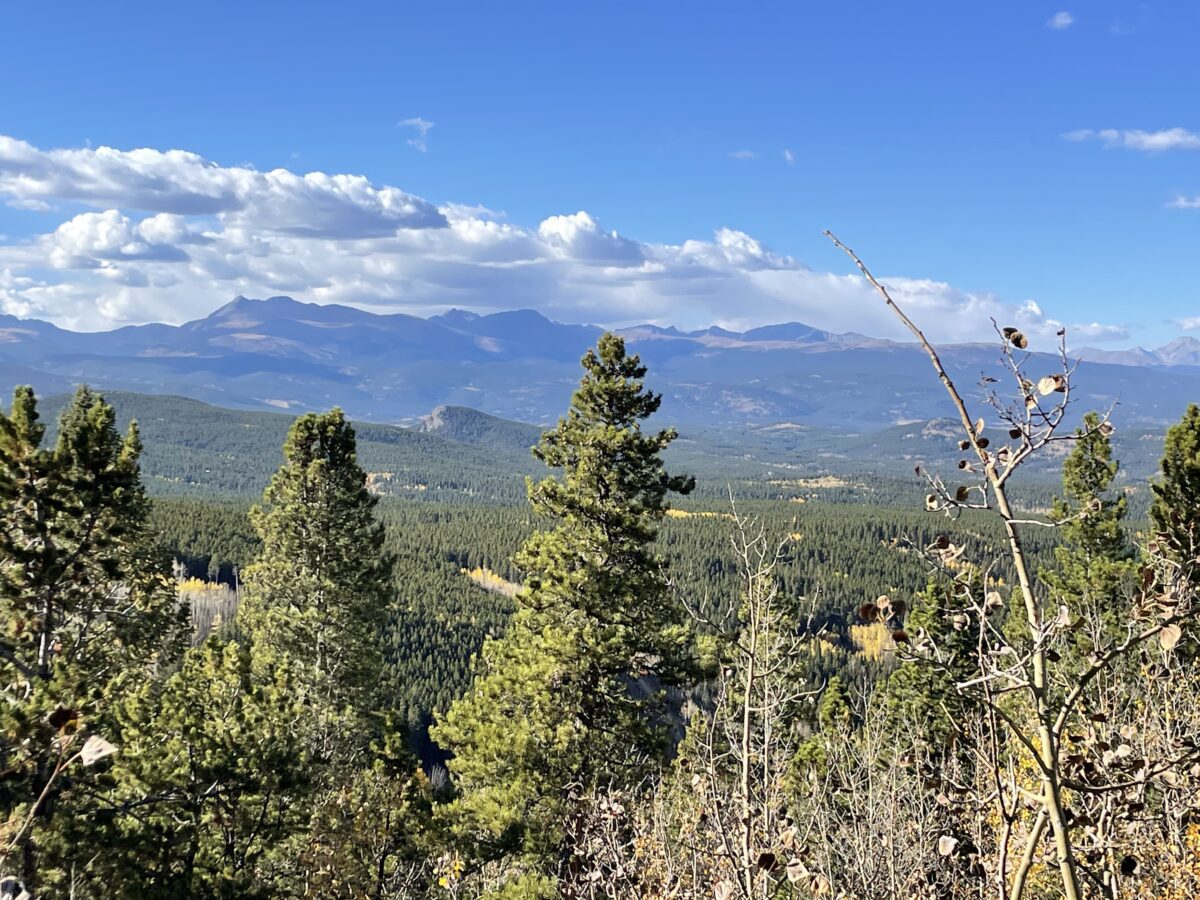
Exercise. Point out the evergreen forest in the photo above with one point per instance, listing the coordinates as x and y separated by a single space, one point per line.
251 655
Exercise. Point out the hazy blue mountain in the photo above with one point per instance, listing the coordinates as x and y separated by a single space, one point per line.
1184 351
286 355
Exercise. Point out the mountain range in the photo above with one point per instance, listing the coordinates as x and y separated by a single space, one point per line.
286 355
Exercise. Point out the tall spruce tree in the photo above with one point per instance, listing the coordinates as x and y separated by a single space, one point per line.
1175 511
320 587
287 778
1094 562
89 613
566 700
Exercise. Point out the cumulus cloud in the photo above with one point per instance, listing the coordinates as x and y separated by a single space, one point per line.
183 183
1182 202
1060 21
1189 323
1148 141
171 236
422 128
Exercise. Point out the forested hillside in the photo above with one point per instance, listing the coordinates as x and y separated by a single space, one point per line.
389 676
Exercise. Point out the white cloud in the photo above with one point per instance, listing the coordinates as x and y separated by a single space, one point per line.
1135 139
789 157
172 236
1060 21
422 127
743 155
1182 202
1097 331
183 183
30 205
1189 323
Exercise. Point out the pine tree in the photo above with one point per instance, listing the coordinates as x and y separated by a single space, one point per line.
89 610
320 587
1094 562
1175 511
212 785
566 700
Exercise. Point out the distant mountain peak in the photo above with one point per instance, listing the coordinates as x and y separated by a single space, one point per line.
455 317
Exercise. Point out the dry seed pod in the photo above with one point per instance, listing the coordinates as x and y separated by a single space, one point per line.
962 493
767 861
982 443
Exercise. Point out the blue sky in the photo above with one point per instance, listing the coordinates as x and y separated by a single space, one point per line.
973 151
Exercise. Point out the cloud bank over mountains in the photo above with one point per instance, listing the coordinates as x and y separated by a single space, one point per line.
149 235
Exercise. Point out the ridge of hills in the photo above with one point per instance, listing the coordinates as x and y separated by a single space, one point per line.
464 455
287 355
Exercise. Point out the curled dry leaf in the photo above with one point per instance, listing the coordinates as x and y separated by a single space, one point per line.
900 636
94 749
1014 433
931 501
1170 636
947 845
1052 384
795 871
62 718
962 493
868 612
723 890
